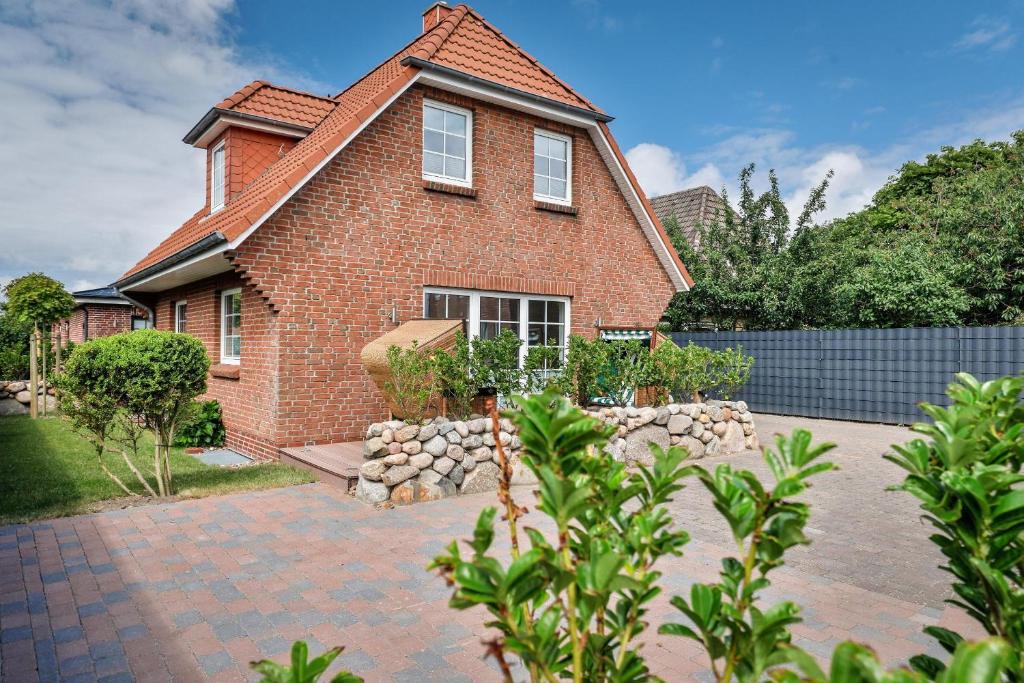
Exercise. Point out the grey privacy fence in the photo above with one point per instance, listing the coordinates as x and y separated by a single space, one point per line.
867 375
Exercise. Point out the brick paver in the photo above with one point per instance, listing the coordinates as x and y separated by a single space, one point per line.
195 590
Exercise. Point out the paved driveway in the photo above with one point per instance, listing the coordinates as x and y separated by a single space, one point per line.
195 590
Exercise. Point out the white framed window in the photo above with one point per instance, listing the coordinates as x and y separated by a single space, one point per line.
180 316
447 143
552 167
217 178
538 320
231 326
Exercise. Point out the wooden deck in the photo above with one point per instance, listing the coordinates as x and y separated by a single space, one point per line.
336 464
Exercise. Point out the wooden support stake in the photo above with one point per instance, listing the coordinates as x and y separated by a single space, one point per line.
45 352
33 378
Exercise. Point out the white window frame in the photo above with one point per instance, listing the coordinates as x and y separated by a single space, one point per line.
524 312
178 320
216 205
567 200
468 180
224 358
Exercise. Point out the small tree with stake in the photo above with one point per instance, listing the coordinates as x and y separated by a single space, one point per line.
135 380
38 300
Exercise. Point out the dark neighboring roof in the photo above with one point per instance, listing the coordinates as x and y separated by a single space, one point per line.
690 207
85 295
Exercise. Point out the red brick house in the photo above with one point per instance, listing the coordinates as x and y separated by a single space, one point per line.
99 313
457 179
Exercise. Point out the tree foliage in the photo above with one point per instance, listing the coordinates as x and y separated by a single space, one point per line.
37 299
942 243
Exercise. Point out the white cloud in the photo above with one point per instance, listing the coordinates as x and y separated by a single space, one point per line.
859 172
661 171
987 33
95 97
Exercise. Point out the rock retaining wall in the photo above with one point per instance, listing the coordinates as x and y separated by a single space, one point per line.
15 396
408 463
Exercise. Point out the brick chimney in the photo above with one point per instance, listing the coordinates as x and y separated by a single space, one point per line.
435 14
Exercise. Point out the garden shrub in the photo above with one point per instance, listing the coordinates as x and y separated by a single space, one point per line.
584 360
628 365
542 369
411 381
495 363
454 377
145 378
205 428
729 371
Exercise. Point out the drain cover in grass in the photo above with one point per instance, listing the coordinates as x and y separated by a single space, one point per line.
222 457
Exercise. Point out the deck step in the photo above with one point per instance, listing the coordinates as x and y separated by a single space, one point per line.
336 464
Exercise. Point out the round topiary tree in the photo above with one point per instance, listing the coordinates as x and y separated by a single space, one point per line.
148 379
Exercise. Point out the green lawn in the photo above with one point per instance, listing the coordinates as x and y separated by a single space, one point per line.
46 470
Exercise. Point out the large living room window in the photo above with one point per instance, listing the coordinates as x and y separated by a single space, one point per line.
447 143
231 326
537 320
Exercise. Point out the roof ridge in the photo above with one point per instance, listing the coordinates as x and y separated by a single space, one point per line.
531 58
296 91
441 32
387 59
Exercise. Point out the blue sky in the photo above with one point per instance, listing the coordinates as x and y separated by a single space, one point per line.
697 89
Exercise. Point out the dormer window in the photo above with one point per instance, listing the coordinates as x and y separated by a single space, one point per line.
217 177
552 164
447 144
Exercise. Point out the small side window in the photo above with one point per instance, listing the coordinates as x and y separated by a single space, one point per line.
181 316
231 326
217 178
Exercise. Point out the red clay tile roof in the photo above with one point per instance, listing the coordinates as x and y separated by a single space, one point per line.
463 41
260 98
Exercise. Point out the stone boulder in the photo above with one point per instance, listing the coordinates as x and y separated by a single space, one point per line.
8 406
694 446
436 446
373 469
398 474
457 474
409 492
484 477
443 465
713 446
398 458
637 444
375 448
406 433
427 432
15 387
371 491
679 424
521 474
24 396
421 460
733 438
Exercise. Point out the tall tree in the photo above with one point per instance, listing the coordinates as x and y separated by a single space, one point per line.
741 267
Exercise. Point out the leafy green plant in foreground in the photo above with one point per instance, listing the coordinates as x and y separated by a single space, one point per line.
968 479
302 669
741 639
572 607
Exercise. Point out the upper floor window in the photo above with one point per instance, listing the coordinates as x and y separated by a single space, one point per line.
217 177
552 159
231 326
447 143
180 316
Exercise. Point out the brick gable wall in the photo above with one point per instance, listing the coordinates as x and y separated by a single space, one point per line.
247 153
365 235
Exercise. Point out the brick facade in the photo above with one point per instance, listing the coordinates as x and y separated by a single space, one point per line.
323 273
90 321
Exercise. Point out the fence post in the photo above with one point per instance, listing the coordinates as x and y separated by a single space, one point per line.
46 349
33 377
